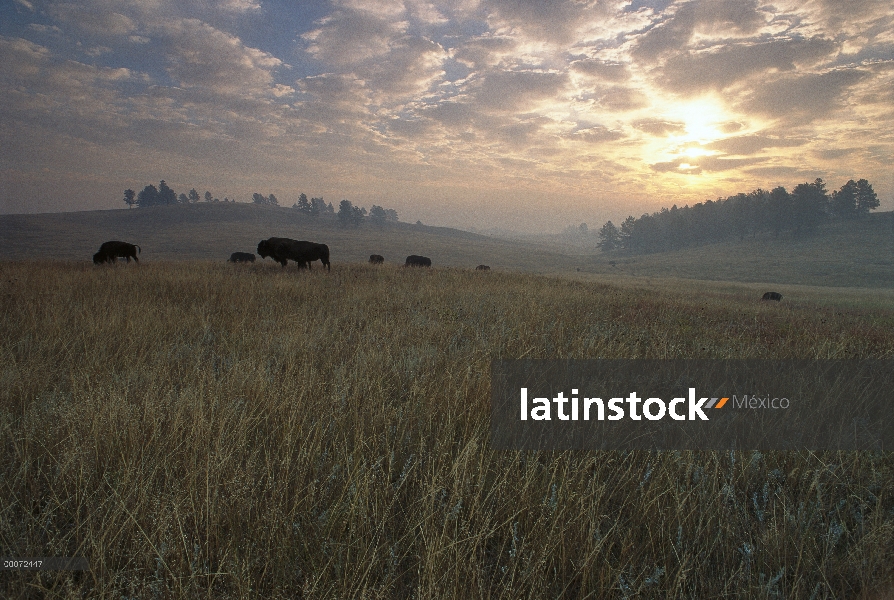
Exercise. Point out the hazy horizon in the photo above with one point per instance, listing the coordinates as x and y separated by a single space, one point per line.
504 115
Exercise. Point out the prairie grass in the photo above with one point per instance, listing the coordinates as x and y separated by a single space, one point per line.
200 429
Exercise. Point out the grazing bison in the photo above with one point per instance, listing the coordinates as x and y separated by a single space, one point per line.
237 257
376 259
417 261
283 250
110 251
772 296
482 268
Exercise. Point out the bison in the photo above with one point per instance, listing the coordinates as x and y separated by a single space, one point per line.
237 257
772 296
110 251
417 261
482 268
376 259
283 250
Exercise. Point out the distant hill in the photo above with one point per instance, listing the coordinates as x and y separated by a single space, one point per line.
213 231
855 254
851 254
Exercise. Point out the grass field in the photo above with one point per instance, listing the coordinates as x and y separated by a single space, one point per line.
199 429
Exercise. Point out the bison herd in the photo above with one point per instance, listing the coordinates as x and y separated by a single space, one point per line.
282 250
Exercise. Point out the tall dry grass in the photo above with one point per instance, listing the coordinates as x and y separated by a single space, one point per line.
234 431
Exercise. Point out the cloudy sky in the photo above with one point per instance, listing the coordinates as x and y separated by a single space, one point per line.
508 113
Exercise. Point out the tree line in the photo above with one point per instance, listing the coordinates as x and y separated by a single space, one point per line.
348 215
778 211
163 195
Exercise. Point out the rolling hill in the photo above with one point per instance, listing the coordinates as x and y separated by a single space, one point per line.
214 231
856 254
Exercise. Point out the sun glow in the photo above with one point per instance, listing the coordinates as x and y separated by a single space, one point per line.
701 118
696 151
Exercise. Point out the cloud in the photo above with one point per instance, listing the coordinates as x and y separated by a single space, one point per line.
802 98
620 99
601 69
752 144
596 134
674 33
782 173
97 18
836 153
561 23
349 37
722 66
485 51
383 9
843 19
658 127
703 163
200 55
413 65
518 90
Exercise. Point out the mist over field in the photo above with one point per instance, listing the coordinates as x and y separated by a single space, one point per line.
663 179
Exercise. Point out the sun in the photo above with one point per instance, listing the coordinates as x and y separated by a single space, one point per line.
696 151
701 118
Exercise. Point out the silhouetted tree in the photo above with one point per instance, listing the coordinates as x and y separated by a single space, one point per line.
130 197
165 194
348 214
780 210
377 214
193 196
609 237
391 214
843 203
183 199
867 199
626 231
208 196
272 201
148 196
740 215
345 210
810 203
317 207
303 205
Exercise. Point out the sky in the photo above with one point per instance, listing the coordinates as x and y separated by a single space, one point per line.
510 114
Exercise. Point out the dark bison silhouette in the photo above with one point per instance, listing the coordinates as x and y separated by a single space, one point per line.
376 259
110 251
236 257
417 261
482 268
772 296
283 250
